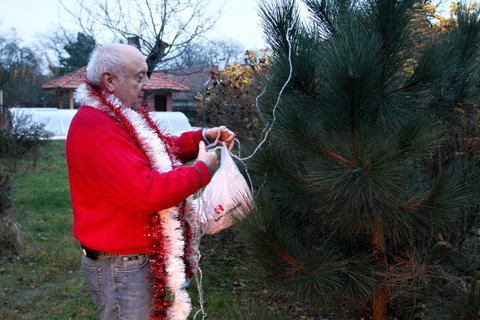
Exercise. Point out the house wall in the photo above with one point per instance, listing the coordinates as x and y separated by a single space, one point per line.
165 104
5 117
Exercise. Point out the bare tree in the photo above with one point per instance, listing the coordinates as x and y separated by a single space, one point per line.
50 46
163 28
204 52
20 72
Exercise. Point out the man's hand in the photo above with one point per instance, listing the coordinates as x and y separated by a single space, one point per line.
226 136
210 158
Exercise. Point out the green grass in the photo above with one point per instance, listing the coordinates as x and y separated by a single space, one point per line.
45 280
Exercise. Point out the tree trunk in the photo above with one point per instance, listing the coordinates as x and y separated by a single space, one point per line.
379 304
155 55
380 297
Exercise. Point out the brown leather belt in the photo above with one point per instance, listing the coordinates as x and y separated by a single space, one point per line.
93 254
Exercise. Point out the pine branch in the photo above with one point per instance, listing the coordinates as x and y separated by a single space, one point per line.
296 266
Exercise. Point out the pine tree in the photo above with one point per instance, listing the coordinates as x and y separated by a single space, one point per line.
350 213
78 51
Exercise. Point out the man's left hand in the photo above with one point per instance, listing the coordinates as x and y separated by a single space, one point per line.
226 138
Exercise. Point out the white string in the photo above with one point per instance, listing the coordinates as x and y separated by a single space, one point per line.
256 104
199 274
266 130
198 280
212 147
214 143
270 126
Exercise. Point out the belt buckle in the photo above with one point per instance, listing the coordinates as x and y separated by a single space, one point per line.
90 253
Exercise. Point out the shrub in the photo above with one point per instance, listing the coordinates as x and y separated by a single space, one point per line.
230 99
20 137
10 241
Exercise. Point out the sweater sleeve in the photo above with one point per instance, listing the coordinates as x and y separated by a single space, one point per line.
186 145
122 172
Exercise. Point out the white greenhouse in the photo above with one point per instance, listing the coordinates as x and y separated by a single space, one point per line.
57 121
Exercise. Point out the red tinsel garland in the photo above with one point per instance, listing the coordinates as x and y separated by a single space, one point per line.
183 208
188 236
157 270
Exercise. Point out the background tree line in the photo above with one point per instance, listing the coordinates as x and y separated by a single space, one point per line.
171 35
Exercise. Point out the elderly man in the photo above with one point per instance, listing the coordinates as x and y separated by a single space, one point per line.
130 191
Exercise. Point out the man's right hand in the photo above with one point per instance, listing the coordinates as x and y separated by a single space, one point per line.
210 158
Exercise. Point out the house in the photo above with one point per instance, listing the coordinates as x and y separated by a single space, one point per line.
197 79
160 96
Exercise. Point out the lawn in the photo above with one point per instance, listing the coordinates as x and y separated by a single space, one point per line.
45 280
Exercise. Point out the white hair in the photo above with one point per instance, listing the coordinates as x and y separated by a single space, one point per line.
104 59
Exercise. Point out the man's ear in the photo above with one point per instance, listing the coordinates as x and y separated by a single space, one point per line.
107 81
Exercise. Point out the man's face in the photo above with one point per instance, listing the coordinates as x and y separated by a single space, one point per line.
131 85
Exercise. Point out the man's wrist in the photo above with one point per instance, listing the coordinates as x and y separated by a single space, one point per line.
205 139
210 170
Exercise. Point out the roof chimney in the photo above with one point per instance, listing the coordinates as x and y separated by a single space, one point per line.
134 41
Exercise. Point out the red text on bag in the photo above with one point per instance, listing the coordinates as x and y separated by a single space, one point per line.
219 209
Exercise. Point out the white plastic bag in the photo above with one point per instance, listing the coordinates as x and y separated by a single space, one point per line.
226 195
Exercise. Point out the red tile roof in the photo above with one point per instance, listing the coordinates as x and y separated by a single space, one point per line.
159 81
75 78
70 80
197 78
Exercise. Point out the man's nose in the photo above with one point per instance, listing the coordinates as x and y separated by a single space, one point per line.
146 84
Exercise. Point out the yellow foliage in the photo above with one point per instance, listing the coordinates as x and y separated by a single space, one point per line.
238 76
429 7
409 66
441 23
230 97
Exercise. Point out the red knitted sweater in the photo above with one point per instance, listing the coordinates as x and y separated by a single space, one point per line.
113 189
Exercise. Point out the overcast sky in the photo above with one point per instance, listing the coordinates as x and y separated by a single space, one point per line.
239 20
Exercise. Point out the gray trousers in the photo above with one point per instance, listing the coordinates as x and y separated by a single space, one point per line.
121 285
